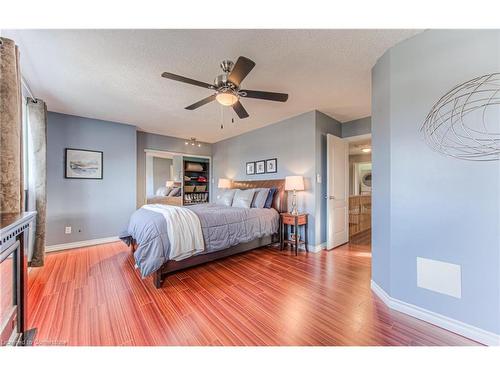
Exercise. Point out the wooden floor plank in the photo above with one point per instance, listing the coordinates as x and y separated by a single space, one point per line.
95 296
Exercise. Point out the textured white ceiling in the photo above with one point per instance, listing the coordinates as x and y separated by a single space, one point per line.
115 74
356 146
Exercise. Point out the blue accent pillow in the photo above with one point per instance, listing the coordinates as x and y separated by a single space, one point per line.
270 196
260 198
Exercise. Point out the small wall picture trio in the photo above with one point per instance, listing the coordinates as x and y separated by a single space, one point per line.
262 166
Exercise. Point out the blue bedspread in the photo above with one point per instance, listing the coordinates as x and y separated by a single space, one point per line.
222 227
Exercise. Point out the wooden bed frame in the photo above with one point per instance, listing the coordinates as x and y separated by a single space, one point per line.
279 203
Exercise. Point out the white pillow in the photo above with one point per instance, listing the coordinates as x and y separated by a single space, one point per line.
163 191
243 198
226 197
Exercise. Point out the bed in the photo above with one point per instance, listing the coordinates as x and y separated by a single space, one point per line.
162 195
225 230
173 201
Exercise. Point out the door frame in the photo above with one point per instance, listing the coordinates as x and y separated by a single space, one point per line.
169 154
329 202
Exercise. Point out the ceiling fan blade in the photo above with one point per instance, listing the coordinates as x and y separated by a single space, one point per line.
240 110
240 70
266 95
207 100
190 81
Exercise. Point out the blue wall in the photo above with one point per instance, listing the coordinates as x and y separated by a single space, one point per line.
93 208
360 126
426 204
291 141
299 144
381 173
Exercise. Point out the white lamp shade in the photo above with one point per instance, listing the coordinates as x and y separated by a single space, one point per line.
169 183
224 183
294 183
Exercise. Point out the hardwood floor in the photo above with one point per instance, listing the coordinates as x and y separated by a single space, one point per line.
94 296
363 238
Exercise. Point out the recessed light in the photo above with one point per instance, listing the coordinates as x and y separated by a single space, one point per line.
366 149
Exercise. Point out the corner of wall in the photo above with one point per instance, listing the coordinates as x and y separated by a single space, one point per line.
381 164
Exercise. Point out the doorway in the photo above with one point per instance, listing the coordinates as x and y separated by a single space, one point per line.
349 186
360 192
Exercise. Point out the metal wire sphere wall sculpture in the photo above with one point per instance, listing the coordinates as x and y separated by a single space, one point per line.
465 122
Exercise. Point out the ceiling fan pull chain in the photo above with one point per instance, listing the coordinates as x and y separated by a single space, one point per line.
222 117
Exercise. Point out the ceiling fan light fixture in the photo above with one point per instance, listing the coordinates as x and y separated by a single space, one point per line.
227 87
226 98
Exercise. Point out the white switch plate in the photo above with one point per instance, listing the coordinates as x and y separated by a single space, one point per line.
67 230
441 277
318 178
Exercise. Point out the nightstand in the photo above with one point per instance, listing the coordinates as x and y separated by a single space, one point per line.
295 222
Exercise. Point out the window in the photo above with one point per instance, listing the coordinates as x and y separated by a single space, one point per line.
24 111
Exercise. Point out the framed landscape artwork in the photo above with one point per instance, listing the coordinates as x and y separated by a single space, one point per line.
251 167
83 164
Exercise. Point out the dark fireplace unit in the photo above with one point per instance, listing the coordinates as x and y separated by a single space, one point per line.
14 238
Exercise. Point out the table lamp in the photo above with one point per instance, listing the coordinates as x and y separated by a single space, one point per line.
294 183
224 183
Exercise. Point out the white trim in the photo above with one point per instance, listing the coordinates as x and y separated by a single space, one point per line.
381 293
169 154
313 248
450 324
361 137
74 245
317 248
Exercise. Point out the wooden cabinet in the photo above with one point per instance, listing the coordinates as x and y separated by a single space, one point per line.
360 214
14 238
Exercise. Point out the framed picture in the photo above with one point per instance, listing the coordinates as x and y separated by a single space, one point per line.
83 164
271 165
260 167
251 167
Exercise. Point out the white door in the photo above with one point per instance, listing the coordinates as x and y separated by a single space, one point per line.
337 221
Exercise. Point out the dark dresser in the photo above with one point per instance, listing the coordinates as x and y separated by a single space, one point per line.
14 241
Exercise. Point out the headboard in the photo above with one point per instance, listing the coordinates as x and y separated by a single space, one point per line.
279 201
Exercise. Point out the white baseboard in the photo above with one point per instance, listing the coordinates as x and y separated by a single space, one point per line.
313 248
74 245
450 324
317 248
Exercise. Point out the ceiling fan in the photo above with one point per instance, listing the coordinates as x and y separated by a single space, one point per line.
227 87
